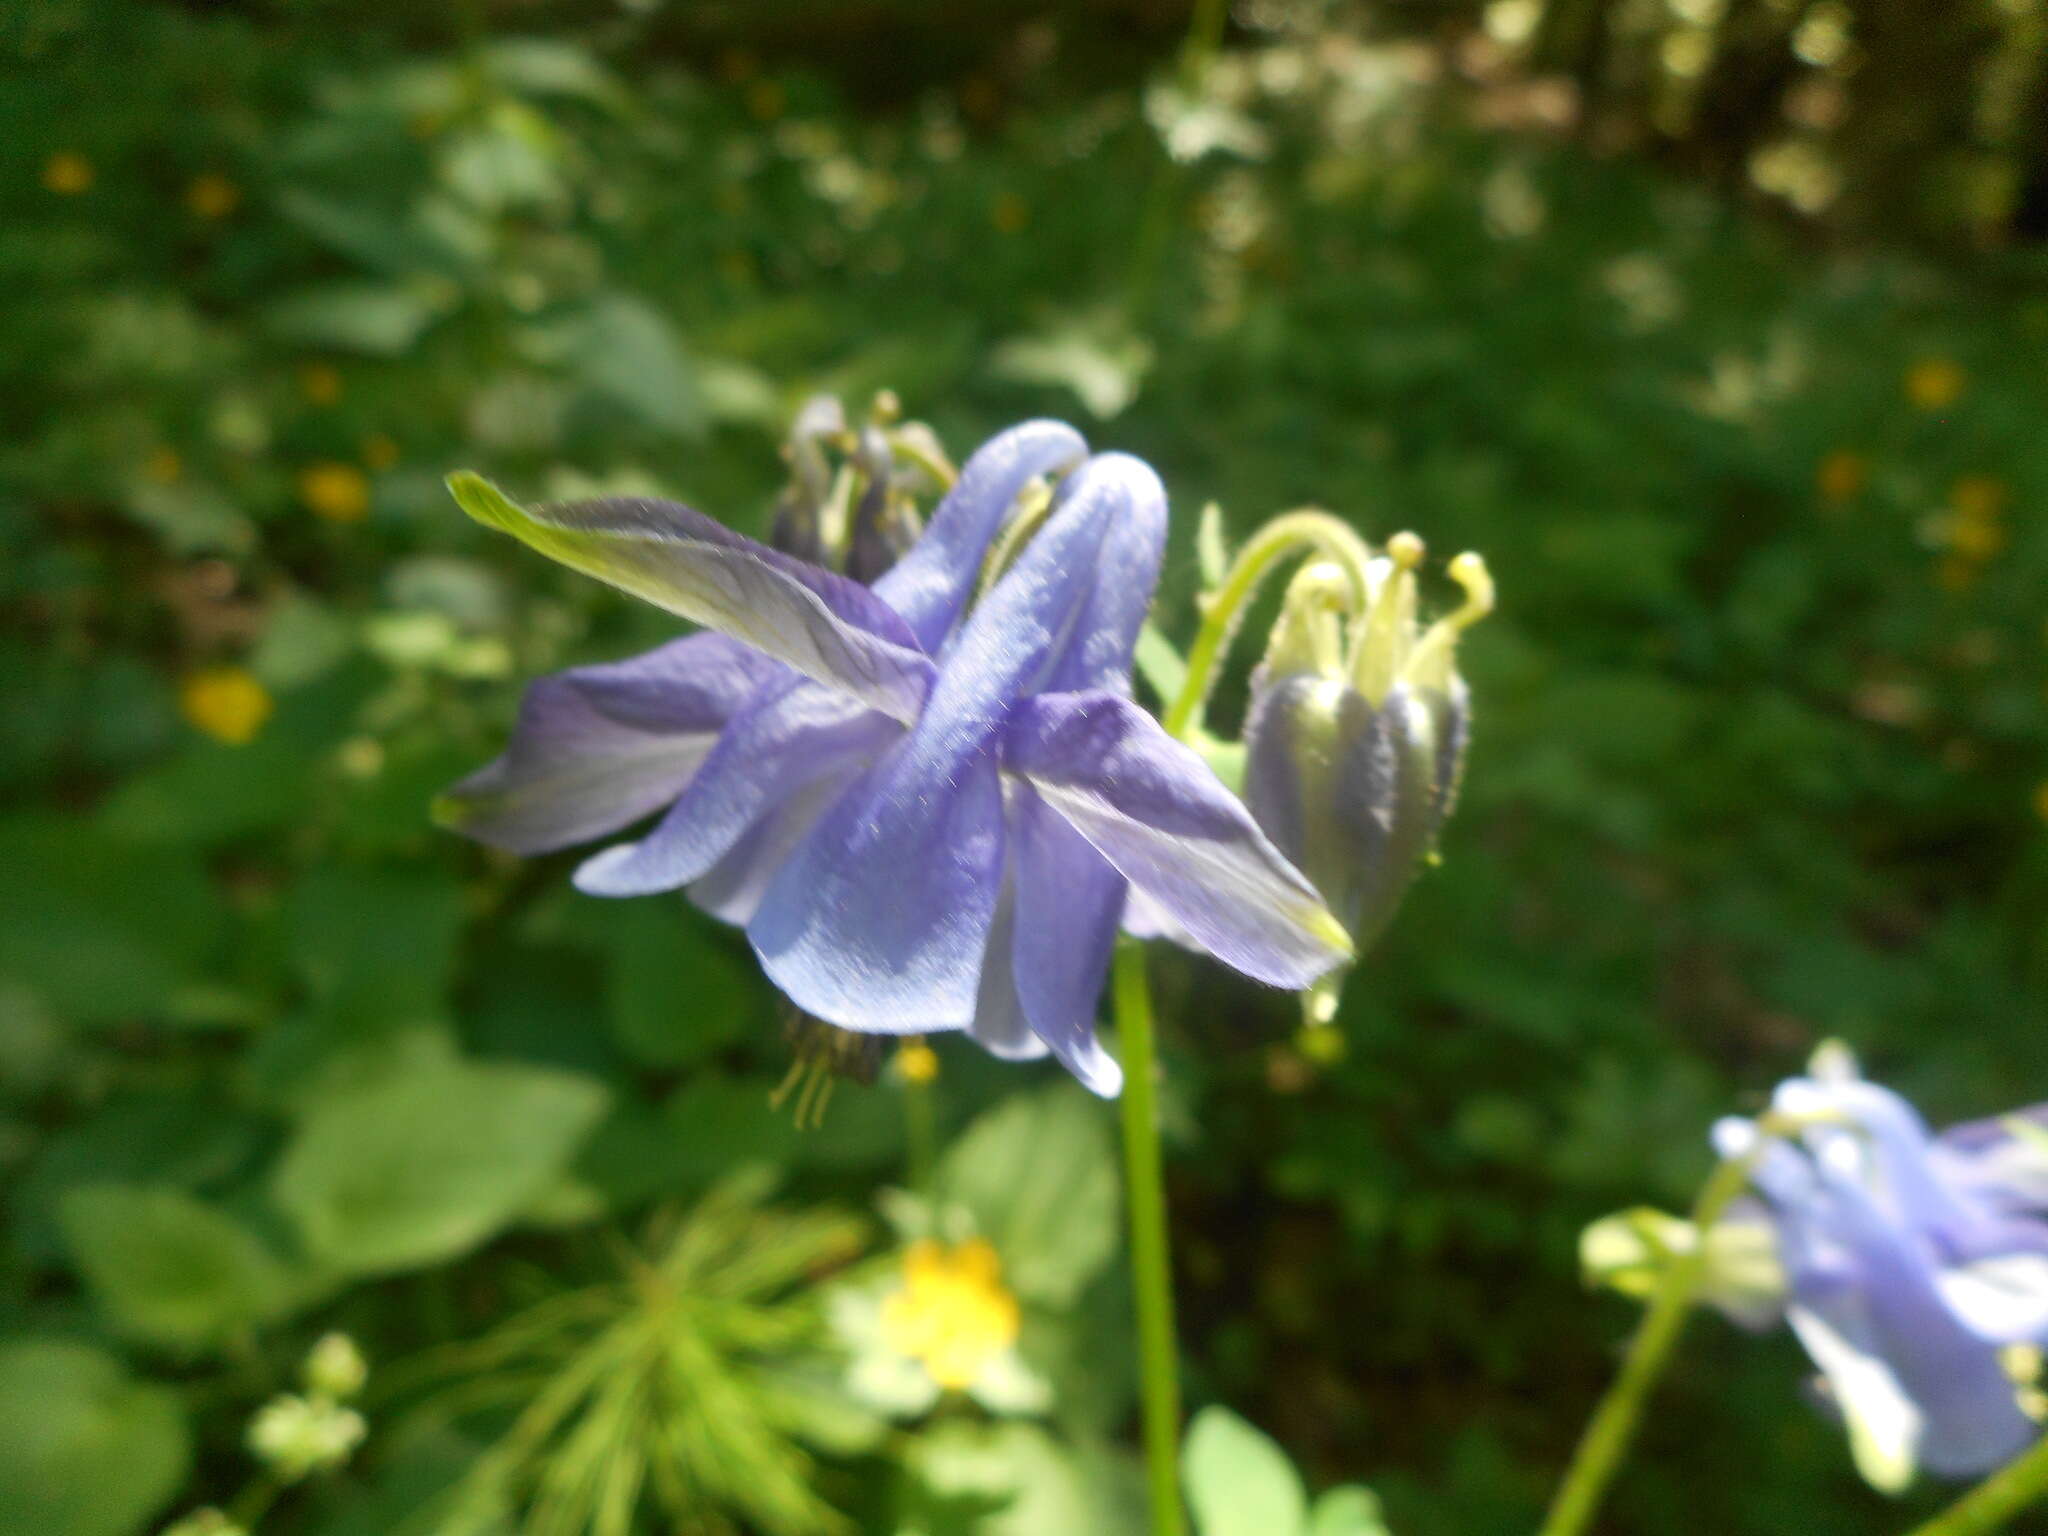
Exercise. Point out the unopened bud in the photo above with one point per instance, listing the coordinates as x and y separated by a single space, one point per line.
335 1367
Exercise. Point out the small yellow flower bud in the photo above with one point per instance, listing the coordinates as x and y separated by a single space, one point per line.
338 492
1841 476
67 174
917 1063
227 703
213 196
1935 383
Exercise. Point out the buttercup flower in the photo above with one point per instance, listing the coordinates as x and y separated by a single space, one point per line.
1914 1267
338 492
942 1322
227 703
1355 743
924 822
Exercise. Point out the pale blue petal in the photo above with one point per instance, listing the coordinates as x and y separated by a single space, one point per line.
823 625
1153 809
793 734
999 1025
1068 901
931 584
597 748
880 919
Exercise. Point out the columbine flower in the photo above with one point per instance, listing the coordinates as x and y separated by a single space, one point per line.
923 822
1914 1267
1354 743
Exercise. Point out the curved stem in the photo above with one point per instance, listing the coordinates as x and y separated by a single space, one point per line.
1996 1500
1611 1429
1151 1269
1290 533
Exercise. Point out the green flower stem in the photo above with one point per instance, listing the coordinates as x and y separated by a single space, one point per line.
920 1135
1613 1425
1996 1500
1151 1270
1290 533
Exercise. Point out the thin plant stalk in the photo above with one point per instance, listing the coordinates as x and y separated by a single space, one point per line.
1301 532
1151 1265
1611 1430
920 1135
1987 1507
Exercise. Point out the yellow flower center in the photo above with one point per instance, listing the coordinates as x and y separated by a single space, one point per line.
952 1312
227 703
338 492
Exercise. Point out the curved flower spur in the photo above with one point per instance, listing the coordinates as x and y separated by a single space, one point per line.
924 821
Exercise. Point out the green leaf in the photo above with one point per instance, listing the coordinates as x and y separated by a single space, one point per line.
1347 1511
104 930
375 319
1038 1174
376 946
167 1267
675 992
623 350
85 1449
425 1165
1239 1483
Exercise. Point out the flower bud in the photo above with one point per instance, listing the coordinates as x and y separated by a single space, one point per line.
335 1368
1356 735
295 1436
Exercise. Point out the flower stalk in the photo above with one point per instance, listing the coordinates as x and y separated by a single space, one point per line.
1611 1430
2018 1485
1151 1266
1302 532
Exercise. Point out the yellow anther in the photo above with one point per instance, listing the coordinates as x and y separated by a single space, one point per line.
1470 573
1406 550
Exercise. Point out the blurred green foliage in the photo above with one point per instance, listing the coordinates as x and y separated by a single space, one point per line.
1762 752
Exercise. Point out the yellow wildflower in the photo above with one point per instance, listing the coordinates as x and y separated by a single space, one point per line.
1935 383
1841 476
952 1313
227 703
68 174
213 196
164 467
338 492
379 452
1975 538
1978 497
320 383
1010 214
917 1062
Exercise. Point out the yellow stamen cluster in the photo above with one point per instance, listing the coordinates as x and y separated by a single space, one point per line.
227 703
952 1313
1390 649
